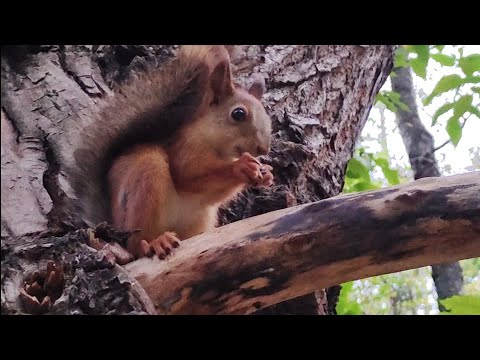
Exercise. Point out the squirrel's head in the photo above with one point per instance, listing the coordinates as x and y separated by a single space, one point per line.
238 114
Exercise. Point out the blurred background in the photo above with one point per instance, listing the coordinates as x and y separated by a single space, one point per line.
440 136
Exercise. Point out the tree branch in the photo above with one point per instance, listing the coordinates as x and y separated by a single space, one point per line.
449 140
263 260
443 145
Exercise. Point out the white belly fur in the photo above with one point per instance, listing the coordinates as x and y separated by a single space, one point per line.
190 215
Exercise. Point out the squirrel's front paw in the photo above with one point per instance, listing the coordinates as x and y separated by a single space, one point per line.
267 176
161 246
251 171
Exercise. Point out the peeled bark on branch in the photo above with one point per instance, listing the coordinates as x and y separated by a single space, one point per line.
267 259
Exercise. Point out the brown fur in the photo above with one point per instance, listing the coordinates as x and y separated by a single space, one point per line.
163 155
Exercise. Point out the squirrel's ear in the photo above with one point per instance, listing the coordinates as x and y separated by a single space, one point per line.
234 51
221 82
258 87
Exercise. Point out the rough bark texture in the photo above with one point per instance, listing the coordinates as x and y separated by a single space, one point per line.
420 147
91 283
318 96
277 256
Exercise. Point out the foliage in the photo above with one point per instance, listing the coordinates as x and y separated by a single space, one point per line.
465 72
471 276
345 306
391 100
358 177
452 100
407 292
461 305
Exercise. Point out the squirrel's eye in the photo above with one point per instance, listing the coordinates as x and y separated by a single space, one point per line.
239 114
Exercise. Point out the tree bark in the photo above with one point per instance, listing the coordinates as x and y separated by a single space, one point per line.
287 253
89 282
419 143
319 98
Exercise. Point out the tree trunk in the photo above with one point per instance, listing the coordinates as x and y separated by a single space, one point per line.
319 98
420 147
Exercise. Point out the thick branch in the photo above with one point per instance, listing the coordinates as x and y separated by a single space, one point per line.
264 260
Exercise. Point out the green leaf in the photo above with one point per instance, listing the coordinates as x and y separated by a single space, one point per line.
443 59
365 185
402 105
358 175
472 80
381 97
441 110
476 89
358 185
462 105
445 84
345 306
392 101
356 170
401 57
474 110
419 65
470 64
462 305
390 174
422 50
439 47
454 130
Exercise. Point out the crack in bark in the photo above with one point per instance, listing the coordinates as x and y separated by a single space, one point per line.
99 87
62 57
278 84
57 215
10 119
9 232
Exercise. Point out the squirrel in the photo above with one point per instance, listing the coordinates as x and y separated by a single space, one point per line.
170 148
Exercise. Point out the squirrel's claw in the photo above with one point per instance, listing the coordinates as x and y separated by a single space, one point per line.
253 172
161 246
267 176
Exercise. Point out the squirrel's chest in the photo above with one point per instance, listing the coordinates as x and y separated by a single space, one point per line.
190 216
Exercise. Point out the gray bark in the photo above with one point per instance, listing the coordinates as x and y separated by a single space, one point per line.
420 146
319 98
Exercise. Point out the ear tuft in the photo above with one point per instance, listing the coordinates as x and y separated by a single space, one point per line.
221 81
234 51
258 88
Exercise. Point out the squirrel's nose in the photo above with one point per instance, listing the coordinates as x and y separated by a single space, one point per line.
262 150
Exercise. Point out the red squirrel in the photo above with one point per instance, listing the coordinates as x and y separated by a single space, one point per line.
170 148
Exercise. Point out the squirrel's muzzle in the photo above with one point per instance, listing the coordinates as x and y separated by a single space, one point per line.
263 150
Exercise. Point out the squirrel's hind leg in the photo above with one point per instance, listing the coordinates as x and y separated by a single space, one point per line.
142 194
